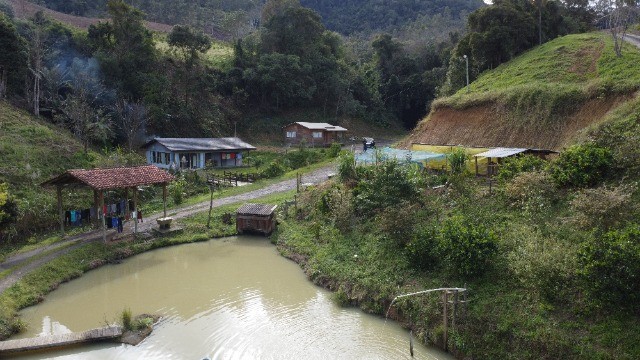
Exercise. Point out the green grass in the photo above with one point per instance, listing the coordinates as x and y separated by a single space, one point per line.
565 71
33 150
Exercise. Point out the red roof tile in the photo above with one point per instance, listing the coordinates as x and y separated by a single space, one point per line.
113 178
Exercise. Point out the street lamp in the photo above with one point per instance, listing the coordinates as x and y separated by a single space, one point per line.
466 59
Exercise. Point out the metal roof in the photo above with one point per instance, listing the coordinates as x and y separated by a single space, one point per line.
256 209
320 126
202 144
112 178
501 152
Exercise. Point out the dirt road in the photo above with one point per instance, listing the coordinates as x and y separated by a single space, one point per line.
22 264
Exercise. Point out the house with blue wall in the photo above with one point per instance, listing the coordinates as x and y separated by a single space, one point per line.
196 153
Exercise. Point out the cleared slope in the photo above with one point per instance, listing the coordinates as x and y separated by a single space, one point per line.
540 99
25 9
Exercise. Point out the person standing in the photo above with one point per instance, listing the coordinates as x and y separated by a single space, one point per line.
139 216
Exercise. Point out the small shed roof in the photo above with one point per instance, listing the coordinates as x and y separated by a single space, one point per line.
112 178
256 209
202 144
501 152
320 126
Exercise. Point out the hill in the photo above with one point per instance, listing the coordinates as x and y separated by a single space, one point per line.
351 16
24 9
541 99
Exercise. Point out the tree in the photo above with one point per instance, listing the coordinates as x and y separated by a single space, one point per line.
189 43
131 118
37 51
125 48
80 110
13 57
618 15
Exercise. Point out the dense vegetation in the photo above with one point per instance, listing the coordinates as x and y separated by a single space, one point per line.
351 16
550 256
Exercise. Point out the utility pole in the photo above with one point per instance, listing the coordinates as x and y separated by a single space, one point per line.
466 59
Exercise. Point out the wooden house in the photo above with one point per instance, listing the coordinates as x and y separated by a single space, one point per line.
196 153
256 218
313 134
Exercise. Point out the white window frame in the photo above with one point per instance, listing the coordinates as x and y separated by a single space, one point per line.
316 134
291 134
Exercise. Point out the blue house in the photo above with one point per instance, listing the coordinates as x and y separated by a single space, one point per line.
196 153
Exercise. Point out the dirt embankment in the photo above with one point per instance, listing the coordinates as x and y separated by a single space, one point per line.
491 125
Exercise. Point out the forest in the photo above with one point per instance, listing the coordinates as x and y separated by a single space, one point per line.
290 62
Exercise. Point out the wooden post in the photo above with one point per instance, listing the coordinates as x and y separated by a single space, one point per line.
60 211
210 206
476 165
444 319
104 220
135 208
96 206
455 308
164 198
126 203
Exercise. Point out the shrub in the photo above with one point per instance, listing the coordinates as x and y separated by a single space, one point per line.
467 248
385 185
582 166
347 167
176 189
334 151
275 168
458 160
603 207
422 250
516 165
611 266
126 318
533 192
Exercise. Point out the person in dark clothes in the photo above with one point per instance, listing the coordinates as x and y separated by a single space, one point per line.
139 216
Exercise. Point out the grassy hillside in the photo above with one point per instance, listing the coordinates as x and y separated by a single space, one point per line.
539 99
32 152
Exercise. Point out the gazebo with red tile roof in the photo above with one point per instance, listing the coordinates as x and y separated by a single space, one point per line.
104 179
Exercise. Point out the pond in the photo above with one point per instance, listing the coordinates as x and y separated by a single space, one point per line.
231 298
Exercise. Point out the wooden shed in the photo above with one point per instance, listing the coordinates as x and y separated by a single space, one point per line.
313 134
257 218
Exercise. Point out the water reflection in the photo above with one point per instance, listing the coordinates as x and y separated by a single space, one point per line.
234 298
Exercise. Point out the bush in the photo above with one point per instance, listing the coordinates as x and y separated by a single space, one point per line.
422 250
176 189
516 165
611 266
275 168
334 151
467 248
458 160
582 166
386 185
533 192
347 167
126 318
603 207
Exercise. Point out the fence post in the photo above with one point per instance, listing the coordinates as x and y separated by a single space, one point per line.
444 319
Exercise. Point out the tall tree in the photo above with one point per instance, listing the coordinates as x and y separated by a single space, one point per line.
131 119
13 57
125 48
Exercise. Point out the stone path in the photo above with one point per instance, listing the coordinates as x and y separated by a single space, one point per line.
24 263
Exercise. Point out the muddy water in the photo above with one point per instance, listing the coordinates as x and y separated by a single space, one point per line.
234 298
